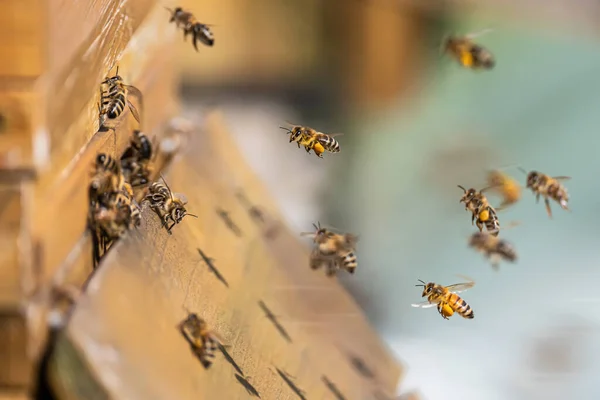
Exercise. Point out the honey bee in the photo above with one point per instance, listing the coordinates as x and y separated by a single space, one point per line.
313 140
107 179
446 299
505 186
548 188
135 161
116 96
482 213
113 222
168 205
493 248
203 341
187 21
334 250
467 53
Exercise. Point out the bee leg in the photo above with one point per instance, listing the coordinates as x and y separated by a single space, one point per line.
548 210
479 225
195 40
537 198
472 218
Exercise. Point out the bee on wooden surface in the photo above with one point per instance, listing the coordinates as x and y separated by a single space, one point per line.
135 161
113 222
548 187
467 53
505 186
493 248
107 180
169 206
333 250
115 98
482 213
446 299
203 341
190 25
313 140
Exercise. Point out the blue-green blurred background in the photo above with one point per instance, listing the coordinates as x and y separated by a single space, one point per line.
415 126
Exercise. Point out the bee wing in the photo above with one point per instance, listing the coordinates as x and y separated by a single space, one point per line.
561 178
478 33
424 304
460 287
137 94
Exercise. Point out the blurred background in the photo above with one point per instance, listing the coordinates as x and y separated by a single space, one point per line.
416 125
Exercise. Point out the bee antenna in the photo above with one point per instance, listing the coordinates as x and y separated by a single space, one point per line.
287 129
423 283
168 9
191 215
522 170
167 185
317 227
463 189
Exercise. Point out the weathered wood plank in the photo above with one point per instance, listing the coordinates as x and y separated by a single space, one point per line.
145 284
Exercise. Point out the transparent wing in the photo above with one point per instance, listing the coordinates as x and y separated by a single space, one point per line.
478 33
132 90
561 178
424 304
134 111
460 287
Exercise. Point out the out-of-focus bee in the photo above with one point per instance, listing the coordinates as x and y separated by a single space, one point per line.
116 96
446 299
467 53
190 25
482 213
203 341
313 140
333 250
168 205
505 186
493 248
113 222
135 161
548 188
107 179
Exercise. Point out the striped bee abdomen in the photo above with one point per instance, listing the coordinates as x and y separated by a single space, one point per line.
462 307
209 348
117 105
330 144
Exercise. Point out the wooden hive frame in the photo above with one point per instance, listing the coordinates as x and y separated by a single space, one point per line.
50 137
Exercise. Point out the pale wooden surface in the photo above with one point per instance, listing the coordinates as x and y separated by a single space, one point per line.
125 325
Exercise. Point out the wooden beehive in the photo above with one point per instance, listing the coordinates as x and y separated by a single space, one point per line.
121 340
54 56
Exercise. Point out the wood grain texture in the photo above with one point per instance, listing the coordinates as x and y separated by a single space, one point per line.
149 280
49 138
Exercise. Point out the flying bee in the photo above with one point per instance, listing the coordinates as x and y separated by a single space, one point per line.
493 248
168 205
334 250
482 213
467 53
446 299
203 341
313 140
135 161
190 25
548 188
507 187
115 98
